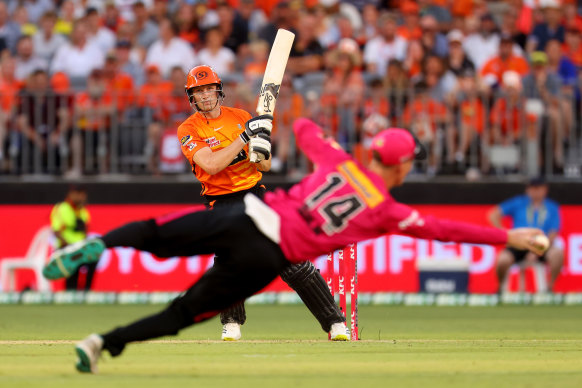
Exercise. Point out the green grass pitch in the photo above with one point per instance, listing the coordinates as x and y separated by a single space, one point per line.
507 346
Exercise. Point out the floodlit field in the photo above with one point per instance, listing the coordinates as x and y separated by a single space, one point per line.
517 346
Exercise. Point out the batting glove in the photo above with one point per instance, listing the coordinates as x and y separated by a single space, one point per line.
261 146
256 125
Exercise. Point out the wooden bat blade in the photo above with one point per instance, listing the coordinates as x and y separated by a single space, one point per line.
274 72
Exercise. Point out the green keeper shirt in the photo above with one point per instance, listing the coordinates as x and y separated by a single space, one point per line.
70 222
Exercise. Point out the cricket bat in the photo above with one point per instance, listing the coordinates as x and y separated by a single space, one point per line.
274 75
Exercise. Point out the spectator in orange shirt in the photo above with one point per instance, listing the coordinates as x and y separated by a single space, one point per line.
9 88
415 55
573 46
94 109
255 69
506 117
188 24
174 109
153 93
119 84
424 115
411 29
470 119
493 70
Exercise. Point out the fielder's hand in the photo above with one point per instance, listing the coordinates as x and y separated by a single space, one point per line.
260 146
524 239
256 125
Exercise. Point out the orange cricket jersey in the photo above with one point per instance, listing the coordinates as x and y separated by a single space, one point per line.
198 132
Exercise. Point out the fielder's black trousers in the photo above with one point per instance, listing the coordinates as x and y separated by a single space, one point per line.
249 262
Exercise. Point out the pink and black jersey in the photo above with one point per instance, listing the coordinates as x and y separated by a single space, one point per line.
342 202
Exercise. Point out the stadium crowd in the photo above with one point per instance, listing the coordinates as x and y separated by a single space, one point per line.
490 87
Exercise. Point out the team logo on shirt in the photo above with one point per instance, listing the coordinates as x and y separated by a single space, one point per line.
212 141
185 140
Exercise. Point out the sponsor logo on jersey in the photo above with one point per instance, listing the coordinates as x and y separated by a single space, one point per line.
185 140
212 141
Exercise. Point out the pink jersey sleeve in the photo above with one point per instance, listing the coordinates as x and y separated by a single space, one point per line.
315 146
405 220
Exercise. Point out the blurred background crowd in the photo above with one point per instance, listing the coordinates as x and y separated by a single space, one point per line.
97 87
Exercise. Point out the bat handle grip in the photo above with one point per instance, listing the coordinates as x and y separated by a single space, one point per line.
254 157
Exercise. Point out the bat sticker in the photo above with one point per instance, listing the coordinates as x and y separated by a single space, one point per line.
270 91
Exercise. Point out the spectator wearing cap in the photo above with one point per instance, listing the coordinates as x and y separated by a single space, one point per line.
9 30
532 210
544 87
433 41
458 60
45 41
70 224
98 35
169 50
493 70
147 30
572 47
483 44
26 61
127 65
386 46
215 54
410 30
344 85
78 58
550 28
506 115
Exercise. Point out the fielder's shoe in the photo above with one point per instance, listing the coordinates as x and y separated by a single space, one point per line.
64 262
339 332
89 351
231 332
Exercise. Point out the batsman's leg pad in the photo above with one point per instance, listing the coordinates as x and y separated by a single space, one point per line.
234 314
311 287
